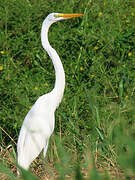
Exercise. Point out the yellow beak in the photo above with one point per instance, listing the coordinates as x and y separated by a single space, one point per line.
69 15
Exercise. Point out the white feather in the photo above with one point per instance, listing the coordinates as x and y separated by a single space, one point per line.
39 123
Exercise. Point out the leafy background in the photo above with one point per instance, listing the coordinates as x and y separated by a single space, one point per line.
95 124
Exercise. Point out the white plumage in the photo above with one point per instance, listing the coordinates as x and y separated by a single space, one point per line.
39 123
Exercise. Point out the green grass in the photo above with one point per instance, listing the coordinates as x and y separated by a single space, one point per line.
95 124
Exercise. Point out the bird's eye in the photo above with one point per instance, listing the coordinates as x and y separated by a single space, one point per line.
56 15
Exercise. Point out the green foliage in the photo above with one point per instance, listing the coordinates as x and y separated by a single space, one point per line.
27 175
6 171
97 114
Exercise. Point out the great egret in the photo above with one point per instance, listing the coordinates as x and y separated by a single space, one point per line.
39 123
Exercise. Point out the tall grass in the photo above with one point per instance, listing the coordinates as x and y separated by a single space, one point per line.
94 134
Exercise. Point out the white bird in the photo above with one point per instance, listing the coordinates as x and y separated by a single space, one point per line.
39 123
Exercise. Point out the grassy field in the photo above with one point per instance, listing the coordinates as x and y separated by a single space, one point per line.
94 134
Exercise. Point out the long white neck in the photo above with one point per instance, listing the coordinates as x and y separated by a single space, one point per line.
59 70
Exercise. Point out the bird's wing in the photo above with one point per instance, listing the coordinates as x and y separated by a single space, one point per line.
35 132
29 147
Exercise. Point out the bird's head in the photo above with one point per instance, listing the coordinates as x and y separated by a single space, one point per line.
49 20
54 17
